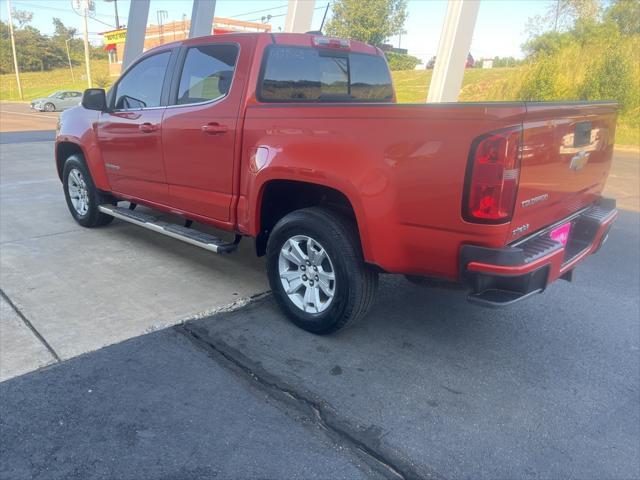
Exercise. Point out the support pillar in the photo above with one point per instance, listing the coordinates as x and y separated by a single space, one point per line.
202 18
136 31
299 16
455 41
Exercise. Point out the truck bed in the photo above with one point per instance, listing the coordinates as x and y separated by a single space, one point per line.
409 161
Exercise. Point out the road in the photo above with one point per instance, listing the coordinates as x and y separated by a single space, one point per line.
427 386
18 117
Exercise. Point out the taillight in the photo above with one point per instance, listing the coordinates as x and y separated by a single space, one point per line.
492 178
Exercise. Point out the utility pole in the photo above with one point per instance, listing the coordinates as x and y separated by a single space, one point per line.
66 42
13 48
115 7
161 15
84 5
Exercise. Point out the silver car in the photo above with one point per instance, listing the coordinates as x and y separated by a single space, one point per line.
60 100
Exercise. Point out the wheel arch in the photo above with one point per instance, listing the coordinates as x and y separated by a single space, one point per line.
279 197
65 147
63 151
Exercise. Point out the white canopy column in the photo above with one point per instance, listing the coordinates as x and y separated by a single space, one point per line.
202 18
202 14
299 16
136 30
455 41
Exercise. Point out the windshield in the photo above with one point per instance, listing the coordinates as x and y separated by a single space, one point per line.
55 94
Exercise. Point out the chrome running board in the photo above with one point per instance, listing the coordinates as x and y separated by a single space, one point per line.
188 235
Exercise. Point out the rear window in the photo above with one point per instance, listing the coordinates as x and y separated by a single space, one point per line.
304 74
207 73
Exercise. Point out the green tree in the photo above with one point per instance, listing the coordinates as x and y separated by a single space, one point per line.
21 17
401 61
372 21
35 51
626 15
499 62
562 15
612 77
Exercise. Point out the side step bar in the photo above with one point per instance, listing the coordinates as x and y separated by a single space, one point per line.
188 235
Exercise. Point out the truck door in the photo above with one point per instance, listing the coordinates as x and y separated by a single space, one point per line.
199 125
130 134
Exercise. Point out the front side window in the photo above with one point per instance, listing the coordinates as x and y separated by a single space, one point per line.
309 74
141 87
207 73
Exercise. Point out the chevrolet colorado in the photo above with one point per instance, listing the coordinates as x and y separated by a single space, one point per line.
295 140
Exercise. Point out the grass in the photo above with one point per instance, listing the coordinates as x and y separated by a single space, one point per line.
487 85
411 87
41 84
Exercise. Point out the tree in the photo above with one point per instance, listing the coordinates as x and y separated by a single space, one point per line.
61 30
626 15
371 22
401 61
562 15
22 17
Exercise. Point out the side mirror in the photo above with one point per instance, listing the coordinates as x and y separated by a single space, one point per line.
94 99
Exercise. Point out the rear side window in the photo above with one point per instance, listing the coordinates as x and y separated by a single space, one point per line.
141 87
207 73
304 74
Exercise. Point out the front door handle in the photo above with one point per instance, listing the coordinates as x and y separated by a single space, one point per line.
214 128
148 127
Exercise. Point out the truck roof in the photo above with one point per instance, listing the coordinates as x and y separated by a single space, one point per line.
297 39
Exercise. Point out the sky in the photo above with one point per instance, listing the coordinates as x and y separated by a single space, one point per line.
500 27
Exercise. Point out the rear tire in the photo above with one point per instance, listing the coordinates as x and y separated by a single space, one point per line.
83 198
318 251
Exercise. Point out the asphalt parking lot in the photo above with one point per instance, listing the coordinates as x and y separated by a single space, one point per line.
427 387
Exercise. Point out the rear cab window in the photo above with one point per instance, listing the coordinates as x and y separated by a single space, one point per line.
308 74
207 73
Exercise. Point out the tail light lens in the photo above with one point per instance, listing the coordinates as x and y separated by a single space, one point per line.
493 174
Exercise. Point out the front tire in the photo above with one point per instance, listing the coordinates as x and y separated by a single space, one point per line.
49 107
83 198
317 272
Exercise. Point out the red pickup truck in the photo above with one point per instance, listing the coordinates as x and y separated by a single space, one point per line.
296 141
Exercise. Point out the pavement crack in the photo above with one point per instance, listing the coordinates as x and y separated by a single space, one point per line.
323 414
30 326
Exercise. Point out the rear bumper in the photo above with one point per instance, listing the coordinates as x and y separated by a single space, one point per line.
502 276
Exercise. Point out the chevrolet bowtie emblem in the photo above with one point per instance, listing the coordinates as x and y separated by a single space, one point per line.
579 161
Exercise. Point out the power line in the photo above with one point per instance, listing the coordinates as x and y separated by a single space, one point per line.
58 9
258 11
282 14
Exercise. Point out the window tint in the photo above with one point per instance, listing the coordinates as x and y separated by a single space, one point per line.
142 85
310 74
207 73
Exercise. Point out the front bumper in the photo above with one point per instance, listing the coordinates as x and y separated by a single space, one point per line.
502 276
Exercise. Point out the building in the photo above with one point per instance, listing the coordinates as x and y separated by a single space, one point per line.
155 35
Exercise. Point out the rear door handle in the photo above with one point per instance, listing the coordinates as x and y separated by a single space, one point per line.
148 127
214 128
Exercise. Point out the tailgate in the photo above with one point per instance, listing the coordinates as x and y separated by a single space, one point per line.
566 157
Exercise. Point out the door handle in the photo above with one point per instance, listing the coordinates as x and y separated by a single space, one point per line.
214 128
148 127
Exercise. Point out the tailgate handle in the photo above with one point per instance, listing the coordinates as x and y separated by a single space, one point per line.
148 127
214 128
